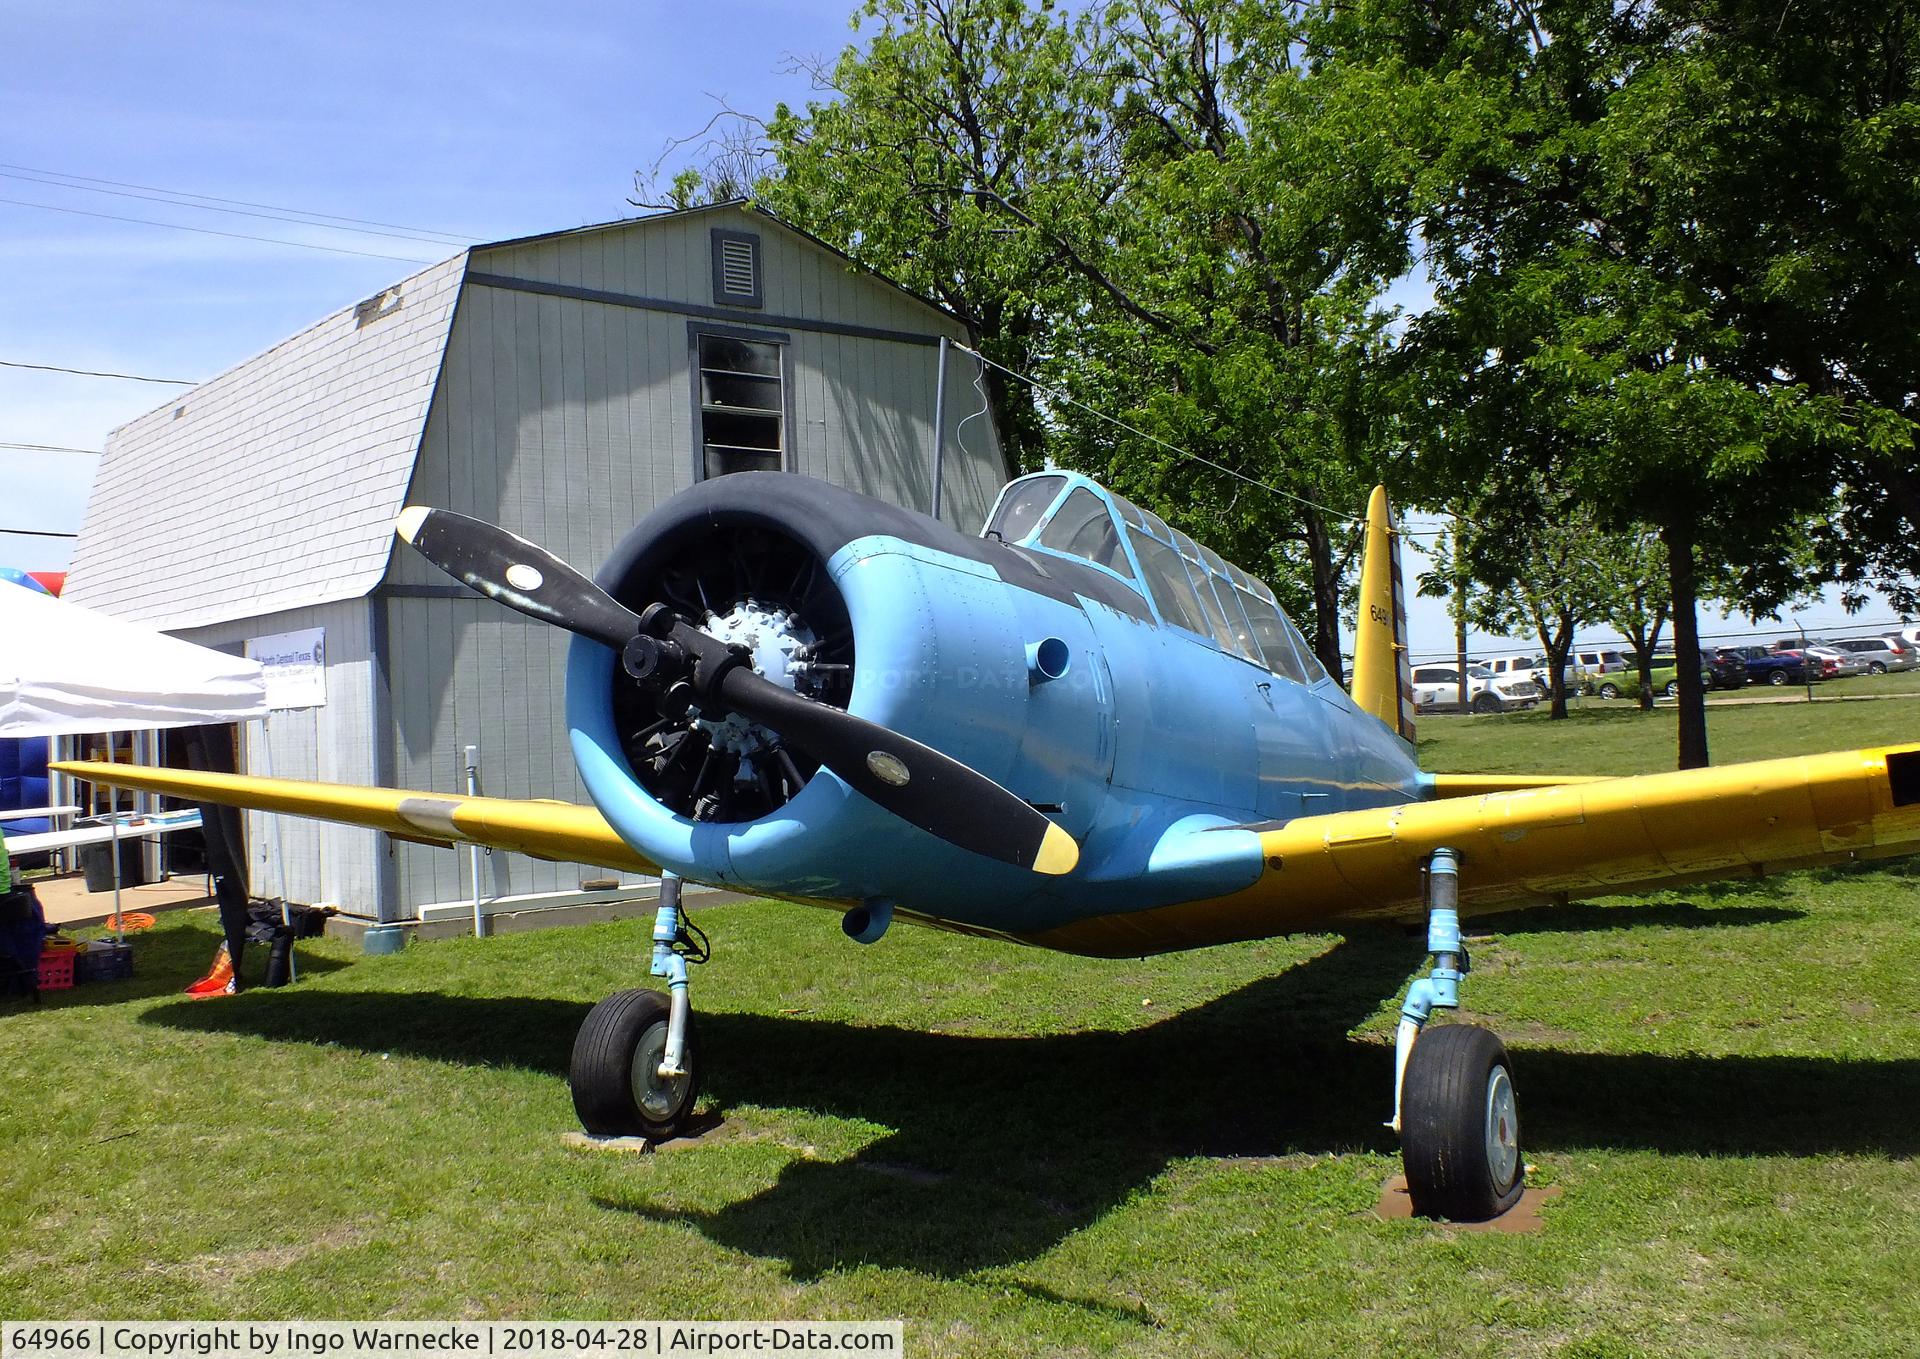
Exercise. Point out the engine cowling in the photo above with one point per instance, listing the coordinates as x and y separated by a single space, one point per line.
865 606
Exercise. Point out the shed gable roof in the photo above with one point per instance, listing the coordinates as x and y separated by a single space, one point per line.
275 485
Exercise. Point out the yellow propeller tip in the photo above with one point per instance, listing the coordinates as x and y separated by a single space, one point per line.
1058 853
410 520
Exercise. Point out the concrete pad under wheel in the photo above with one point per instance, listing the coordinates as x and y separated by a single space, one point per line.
702 1130
1396 1203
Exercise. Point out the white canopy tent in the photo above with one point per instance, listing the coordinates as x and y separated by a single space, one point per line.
65 671
68 671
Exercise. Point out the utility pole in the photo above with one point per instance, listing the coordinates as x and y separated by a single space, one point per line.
1460 602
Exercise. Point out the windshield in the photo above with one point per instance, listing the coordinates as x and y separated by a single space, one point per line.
1022 507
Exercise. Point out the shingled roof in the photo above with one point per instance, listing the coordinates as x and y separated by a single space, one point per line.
274 485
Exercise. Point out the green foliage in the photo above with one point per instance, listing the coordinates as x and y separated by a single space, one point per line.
958 150
1671 244
1165 211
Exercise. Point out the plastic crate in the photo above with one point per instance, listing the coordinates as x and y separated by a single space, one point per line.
56 966
103 960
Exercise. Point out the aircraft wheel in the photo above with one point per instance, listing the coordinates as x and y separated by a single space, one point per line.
1460 1126
617 1087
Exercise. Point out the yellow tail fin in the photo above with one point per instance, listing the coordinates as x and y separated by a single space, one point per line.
1382 671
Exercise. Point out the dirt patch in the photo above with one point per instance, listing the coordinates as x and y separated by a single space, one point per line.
1396 1203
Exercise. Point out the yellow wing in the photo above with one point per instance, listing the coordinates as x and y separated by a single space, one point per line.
547 830
1542 844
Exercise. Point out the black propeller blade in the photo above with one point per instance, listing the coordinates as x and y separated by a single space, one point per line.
521 575
687 667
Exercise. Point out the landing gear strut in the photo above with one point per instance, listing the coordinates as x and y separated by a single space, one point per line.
636 1068
1454 1105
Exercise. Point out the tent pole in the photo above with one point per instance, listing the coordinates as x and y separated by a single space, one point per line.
280 852
119 916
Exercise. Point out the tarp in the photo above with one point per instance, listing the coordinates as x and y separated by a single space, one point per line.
16 576
66 670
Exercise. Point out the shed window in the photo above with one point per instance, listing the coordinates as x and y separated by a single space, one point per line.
743 405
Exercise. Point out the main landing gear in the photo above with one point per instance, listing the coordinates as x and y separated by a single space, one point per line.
636 1060
1454 1104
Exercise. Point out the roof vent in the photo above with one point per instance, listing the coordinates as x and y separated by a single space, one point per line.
736 268
376 308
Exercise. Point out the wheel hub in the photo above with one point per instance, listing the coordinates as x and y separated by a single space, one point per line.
1503 1129
658 1097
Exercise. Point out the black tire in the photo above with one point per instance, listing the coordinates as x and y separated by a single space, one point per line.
1609 690
1673 689
1486 703
1459 1166
1777 677
601 1073
1876 668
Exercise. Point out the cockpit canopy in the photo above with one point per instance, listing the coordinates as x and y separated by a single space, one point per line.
1188 586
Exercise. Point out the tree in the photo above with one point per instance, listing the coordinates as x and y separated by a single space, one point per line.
1162 208
954 153
1630 574
1451 579
1562 197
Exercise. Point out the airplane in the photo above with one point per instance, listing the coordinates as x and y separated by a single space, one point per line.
1079 730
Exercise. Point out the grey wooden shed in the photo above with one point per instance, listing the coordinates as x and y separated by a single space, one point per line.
560 385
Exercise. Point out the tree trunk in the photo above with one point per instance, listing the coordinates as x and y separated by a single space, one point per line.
1677 534
1326 596
1643 664
1558 643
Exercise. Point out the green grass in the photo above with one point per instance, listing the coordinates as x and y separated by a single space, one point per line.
1008 1148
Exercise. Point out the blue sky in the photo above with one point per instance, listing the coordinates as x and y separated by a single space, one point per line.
489 120
484 119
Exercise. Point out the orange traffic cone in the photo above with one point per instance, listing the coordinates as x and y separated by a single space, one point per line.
220 979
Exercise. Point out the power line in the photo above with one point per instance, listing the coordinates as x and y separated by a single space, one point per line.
1039 386
88 372
209 231
38 533
455 236
301 218
51 448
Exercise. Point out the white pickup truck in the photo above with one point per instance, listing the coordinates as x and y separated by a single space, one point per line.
1438 686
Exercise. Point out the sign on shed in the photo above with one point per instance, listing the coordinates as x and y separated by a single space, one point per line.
295 665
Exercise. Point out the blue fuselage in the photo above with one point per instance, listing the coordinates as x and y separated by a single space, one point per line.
1152 744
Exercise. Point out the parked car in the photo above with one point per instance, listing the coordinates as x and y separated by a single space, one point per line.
1881 654
1438 686
1665 673
1527 667
1833 662
1722 671
1767 666
1591 666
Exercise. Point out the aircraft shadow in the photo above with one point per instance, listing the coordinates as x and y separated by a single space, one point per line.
1003 1147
